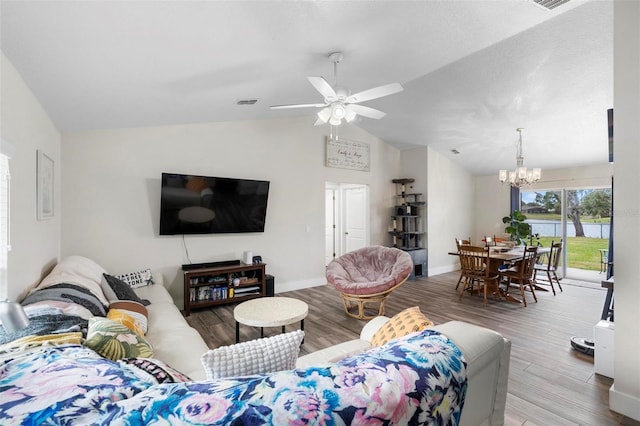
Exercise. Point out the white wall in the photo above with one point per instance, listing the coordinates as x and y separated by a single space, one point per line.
450 199
593 176
491 204
111 186
624 396
26 127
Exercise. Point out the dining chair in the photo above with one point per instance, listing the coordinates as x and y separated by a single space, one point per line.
459 243
551 266
489 241
522 273
474 262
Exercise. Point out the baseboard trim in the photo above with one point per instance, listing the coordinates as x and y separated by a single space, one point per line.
624 403
443 269
299 285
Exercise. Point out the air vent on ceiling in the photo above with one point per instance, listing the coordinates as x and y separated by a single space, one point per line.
246 101
550 4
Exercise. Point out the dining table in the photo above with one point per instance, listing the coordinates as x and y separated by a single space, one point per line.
499 255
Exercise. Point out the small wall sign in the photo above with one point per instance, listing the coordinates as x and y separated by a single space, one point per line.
44 185
347 154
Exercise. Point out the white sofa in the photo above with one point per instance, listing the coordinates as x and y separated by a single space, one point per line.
172 339
487 353
180 346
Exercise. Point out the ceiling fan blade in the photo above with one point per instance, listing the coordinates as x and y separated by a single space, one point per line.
297 106
365 111
323 87
376 92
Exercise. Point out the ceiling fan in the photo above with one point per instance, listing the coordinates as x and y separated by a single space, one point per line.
338 103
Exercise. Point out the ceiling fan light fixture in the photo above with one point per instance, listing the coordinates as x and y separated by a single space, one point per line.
337 104
338 111
324 114
350 115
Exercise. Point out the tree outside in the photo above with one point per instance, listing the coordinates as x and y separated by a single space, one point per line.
597 204
574 209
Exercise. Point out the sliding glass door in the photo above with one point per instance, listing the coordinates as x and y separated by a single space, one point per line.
581 218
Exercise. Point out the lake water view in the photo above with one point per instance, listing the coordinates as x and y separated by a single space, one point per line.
553 228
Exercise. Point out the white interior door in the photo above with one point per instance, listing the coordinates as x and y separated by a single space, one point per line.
356 224
346 219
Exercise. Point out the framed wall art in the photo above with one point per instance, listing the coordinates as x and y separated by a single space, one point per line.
347 154
45 167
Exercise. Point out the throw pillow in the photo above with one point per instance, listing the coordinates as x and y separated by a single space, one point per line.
137 279
406 322
132 314
107 290
260 356
115 341
122 290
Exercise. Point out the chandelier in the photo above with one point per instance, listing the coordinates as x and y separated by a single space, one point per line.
520 176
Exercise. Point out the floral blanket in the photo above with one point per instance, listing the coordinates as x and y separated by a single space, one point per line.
420 379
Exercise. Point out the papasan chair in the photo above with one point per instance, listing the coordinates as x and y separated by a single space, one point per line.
365 277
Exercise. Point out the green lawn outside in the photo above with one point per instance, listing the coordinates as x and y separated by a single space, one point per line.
582 252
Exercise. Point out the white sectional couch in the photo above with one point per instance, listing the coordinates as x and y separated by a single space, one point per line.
487 353
171 337
180 346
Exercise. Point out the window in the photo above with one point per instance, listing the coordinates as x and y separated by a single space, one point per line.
5 243
581 217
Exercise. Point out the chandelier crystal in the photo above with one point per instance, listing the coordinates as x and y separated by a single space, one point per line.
520 176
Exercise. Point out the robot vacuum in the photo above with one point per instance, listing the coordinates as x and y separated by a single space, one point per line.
582 344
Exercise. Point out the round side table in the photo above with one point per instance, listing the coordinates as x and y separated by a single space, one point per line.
270 312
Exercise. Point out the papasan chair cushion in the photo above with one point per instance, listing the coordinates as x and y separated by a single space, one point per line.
369 271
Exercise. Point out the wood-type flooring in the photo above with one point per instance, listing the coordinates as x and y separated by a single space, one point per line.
549 382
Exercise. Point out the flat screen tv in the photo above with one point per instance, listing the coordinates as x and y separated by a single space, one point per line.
211 205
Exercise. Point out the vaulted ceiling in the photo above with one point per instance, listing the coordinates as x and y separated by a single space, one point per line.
473 71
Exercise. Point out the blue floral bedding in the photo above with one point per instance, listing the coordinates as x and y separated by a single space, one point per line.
420 379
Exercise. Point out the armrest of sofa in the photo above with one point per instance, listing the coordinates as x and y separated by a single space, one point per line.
488 357
342 350
158 278
333 353
372 326
171 337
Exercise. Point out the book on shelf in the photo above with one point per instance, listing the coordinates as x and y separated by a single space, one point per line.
206 293
250 293
246 289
